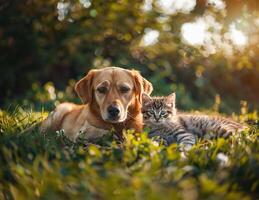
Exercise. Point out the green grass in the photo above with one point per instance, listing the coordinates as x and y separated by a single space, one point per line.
35 166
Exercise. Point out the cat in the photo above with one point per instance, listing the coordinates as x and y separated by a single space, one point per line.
161 117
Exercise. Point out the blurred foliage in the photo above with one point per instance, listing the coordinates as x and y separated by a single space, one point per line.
35 166
38 45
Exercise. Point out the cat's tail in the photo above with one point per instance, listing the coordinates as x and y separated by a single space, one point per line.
242 128
239 127
230 127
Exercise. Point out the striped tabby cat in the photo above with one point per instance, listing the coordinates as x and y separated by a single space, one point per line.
164 122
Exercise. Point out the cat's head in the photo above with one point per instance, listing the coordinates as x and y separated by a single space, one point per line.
157 110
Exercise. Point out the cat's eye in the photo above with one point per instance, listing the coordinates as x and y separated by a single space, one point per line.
102 90
163 113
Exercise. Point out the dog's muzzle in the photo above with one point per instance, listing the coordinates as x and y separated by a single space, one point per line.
113 112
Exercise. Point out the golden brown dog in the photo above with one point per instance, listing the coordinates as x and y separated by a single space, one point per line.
112 99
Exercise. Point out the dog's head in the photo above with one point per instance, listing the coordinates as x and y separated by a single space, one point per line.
114 90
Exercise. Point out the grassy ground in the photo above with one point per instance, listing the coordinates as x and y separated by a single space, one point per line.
34 166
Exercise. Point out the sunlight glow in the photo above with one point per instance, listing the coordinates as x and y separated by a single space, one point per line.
150 37
256 22
207 34
147 6
194 33
85 3
62 8
175 6
237 37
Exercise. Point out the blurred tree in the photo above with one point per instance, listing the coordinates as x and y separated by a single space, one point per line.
48 40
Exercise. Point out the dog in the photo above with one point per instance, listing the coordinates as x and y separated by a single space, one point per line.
111 98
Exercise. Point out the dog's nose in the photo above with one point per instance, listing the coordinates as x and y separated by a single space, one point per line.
113 111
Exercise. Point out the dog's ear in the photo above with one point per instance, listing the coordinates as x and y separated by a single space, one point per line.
83 87
141 85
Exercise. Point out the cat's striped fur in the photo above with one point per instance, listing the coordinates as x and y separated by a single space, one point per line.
160 117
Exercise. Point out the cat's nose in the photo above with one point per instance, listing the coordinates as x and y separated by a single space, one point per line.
157 119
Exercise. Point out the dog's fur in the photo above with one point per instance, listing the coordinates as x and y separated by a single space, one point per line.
98 90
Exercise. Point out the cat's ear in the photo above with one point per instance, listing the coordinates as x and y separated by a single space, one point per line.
145 98
170 100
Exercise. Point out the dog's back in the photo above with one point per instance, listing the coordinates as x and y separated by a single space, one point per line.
54 120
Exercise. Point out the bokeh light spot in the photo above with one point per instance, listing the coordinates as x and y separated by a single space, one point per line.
150 37
175 6
237 37
194 33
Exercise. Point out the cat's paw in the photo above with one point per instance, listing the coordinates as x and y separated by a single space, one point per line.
185 147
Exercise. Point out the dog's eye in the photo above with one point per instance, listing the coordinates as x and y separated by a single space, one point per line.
124 89
102 90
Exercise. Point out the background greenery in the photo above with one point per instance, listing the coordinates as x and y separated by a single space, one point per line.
37 48
45 50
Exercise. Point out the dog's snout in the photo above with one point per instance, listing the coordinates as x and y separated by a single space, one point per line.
113 111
